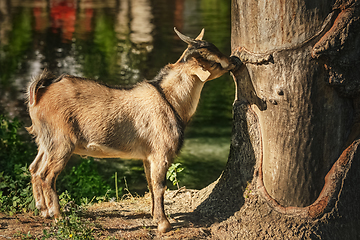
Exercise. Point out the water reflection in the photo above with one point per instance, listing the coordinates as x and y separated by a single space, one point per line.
63 17
118 42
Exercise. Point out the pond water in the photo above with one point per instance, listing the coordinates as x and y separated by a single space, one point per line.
120 42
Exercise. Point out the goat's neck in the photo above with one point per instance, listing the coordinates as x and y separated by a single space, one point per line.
182 91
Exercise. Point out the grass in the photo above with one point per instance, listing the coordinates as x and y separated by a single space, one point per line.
71 225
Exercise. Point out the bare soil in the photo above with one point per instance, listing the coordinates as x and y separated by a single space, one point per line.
127 219
130 219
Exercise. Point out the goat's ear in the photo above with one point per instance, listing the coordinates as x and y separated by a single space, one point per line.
201 73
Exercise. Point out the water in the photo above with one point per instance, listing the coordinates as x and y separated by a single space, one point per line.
120 42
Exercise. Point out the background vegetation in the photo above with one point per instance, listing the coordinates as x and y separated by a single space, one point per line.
81 183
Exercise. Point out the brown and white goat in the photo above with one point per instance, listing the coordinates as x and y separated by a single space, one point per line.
76 115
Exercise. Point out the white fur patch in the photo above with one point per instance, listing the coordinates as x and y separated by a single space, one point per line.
102 151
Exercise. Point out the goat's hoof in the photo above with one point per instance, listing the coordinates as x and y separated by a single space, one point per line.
164 226
57 218
45 213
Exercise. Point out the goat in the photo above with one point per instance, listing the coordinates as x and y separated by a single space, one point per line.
73 115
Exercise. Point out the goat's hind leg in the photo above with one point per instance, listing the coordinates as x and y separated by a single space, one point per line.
55 163
35 168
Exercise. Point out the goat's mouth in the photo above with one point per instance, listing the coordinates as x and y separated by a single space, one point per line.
218 66
215 65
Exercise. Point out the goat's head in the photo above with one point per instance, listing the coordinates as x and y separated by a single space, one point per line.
207 62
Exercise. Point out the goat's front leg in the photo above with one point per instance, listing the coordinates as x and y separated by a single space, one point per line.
158 168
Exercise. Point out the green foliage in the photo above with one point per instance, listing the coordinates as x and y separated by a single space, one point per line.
15 187
15 148
16 193
84 182
171 174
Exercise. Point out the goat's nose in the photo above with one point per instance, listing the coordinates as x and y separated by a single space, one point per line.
236 63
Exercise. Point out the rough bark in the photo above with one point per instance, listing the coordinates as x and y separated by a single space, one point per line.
294 164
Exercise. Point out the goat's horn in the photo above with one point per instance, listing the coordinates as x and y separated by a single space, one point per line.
186 39
201 35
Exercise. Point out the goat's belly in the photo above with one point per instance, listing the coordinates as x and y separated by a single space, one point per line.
102 151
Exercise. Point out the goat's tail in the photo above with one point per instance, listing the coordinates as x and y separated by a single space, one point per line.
44 79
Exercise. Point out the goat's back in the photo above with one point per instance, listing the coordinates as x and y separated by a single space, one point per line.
88 113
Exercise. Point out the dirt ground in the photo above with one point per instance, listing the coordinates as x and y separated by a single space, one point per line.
127 219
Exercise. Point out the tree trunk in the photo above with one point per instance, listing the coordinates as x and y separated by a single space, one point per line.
294 168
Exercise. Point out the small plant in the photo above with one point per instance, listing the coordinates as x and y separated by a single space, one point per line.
71 225
248 190
118 189
171 174
23 236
